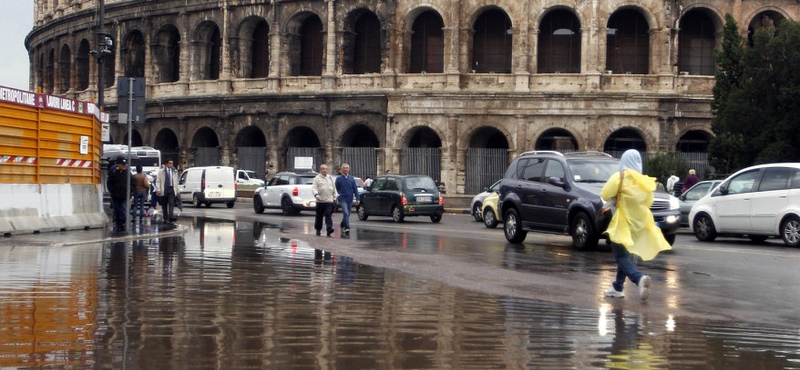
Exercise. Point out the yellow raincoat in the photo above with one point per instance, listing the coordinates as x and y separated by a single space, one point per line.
632 224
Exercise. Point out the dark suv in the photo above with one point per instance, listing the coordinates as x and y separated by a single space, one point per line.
551 192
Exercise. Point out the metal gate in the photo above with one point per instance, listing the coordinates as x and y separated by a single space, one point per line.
252 158
293 152
422 161
363 161
207 156
484 167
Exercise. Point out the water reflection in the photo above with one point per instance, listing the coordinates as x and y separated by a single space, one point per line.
239 295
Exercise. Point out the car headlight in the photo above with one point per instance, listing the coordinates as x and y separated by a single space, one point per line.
674 203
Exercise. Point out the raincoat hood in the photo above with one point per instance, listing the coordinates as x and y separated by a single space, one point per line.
631 160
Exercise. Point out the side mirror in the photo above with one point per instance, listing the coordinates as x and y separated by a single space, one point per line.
555 181
682 197
485 188
723 189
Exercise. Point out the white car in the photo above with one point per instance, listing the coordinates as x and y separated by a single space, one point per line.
476 206
248 178
758 202
288 191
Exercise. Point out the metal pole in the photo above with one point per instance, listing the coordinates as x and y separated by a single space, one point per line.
130 142
101 44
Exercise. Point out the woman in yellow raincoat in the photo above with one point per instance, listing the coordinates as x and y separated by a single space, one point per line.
632 228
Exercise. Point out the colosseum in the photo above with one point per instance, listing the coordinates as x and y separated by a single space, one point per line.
450 88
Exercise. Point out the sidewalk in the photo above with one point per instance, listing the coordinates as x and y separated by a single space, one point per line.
90 236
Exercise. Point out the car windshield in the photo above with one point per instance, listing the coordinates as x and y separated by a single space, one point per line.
251 174
592 170
305 180
359 183
420 183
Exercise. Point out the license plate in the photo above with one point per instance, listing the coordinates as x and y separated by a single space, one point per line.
214 194
424 199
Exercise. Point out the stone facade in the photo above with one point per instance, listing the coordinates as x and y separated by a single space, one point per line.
400 76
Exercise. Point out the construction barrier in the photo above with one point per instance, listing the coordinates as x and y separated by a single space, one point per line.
50 149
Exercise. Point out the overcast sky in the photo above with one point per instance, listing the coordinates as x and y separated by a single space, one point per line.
16 18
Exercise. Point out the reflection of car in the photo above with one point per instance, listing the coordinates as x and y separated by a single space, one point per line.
477 201
551 192
489 212
402 196
692 195
759 201
289 191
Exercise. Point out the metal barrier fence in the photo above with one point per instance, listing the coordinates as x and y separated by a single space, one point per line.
293 152
484 167
252 158
422 161
363 161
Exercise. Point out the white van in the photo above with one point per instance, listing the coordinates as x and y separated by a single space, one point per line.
207 185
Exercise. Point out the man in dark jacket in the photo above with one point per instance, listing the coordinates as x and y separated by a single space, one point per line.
117 184
348 191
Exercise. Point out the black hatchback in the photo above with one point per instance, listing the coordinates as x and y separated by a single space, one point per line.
401 196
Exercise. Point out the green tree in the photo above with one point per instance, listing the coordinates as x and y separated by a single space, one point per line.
660 165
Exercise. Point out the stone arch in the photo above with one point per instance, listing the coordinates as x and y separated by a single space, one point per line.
559 42
422 136
623 139
360 135
486 158
302 137
133 52
363 42
49 72
207 42
206 144
697 40
488 137
251 145
64 69
694 140
628 41
205 137
167 142
492 41
305 44
166 50
557 138
764 18
250 136
82 65
252 50
424 31
136 138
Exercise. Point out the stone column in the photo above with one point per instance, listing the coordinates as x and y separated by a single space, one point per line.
521 143
660 47
329 74
186 50
225 48
452 47
520 55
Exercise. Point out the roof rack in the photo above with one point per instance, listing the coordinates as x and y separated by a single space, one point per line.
534 152
589 153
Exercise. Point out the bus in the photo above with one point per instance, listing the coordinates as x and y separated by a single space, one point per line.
148 157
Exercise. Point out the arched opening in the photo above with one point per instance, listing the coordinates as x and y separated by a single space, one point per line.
167 53
133 55
49 72
492 41
302 142
622 140
208 51
486 159
696 43
628 43
109 66
206 143
167 143
358 150
82 65
259 50
693 146
40 72
251 146
64 67
423 154
559 43
362 44
427 43
557 139
136 139
769 19
308 57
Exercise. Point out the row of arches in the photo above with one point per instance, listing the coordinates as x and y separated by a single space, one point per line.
364 37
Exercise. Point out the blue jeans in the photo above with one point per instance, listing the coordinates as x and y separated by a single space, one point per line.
625 267
120 211
138 205
347 205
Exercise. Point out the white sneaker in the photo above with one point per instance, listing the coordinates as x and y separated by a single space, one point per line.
644 287
613 293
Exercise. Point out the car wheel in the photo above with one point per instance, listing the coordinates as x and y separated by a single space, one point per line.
513 227
790 231
670 238
584 236
436 218
286 207
397 214
230 203
476 211
704 229
258 205
489 219
362 213
758 238
195 202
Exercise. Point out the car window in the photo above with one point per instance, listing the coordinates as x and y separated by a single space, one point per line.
242 175
304 180
775 179
592 171
698 191
359 182
379 183
532 169
251 174
182 179
282 180
391 184
795 179
495 186
420 183
273 181
554 169
742 183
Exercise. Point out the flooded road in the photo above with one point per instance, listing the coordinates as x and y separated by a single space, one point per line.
234 295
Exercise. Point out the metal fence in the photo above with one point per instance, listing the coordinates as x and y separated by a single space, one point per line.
293 152
363 161
422 161
699 162
207 156
252 158
484 167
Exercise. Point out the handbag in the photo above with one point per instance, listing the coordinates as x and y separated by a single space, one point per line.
609 207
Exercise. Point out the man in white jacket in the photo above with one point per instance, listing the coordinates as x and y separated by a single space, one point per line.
167 190
325 193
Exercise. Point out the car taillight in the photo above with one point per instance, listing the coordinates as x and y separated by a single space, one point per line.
441 199
403 199
295 191
203 183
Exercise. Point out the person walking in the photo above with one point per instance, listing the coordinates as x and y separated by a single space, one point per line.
140 187
347 189
690 181
324 191
632 229
672 180
167 190
117 184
